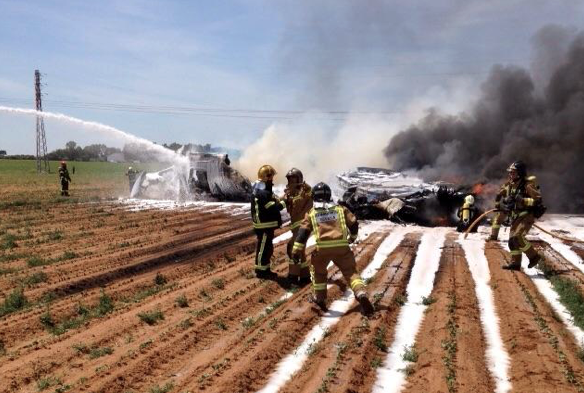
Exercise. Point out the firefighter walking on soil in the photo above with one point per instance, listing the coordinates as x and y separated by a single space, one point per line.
520 200
265 214
334 228
298 199
64 178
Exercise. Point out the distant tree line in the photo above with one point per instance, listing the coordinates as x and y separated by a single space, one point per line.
74 152
130 152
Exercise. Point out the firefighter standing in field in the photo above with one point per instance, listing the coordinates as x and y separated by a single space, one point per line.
265 214
334 228
131 173
298 199
520 200
64 178
467 214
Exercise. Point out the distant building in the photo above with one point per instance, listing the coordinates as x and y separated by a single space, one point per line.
3 152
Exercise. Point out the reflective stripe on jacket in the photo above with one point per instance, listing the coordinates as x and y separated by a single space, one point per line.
331 227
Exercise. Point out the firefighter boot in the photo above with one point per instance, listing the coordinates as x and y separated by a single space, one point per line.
366 306
533 262
266 274
303 281
291 281
320 303
515 263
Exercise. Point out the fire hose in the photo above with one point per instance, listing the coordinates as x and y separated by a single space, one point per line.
475 223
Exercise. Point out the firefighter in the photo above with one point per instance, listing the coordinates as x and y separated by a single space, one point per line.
467 214
298 199
265 214
64 178
131 173
334 228
520 200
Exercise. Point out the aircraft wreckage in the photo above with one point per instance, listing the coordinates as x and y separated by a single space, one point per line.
377 194
208 177
370 193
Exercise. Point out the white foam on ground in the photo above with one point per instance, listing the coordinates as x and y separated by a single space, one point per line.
390 376
136 204
563 249
496 355
294 361
572 224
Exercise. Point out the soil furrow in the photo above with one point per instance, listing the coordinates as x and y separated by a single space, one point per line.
344 360
542 351
254 355
451 343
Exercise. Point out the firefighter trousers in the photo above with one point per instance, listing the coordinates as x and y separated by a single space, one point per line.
518 243
264 248
341 256
64 187
296 268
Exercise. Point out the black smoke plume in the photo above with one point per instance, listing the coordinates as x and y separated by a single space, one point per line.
513 119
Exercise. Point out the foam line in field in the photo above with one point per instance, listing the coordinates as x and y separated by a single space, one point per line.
563 249
496 355
544 286
390 376
292 363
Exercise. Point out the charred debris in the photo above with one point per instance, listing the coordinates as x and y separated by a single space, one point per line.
383 194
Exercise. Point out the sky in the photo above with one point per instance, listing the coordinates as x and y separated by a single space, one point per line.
230 72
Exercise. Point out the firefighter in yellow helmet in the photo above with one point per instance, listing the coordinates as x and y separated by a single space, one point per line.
298 199
519 199
265 214
334 228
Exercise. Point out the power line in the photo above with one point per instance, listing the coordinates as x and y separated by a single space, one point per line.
273 114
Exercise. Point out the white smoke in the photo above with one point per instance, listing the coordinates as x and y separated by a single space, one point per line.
321 151
316 150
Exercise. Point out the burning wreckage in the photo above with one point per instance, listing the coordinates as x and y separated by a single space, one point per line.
370 193
376 194
209 177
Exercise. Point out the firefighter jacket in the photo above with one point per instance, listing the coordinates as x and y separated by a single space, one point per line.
132 173
332 226
298 203
520 197
64 174
265 207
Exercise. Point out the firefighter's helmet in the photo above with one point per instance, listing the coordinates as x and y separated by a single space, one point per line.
266 172
469 199
294 175
519 167
321 192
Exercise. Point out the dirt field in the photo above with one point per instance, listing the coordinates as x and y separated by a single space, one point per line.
103 297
